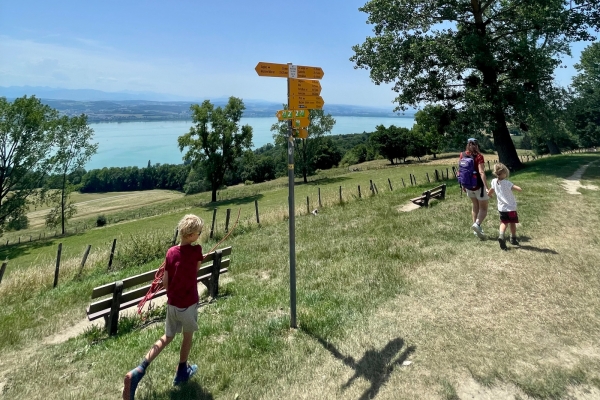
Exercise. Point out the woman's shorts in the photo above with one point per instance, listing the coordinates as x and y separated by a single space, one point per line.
476 194
179 319
509 217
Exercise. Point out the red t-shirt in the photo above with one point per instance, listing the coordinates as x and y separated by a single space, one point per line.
181 263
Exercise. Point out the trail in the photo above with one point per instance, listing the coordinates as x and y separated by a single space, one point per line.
573 183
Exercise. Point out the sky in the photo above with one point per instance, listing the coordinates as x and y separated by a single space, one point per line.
192 49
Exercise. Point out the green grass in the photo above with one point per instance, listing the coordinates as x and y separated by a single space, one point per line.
375 288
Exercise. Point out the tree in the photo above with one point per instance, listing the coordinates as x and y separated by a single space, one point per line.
216 140
392 143
487 58
431 122
27 131
584 109
73 148
307 149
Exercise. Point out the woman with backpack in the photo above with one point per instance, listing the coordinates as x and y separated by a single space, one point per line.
471 176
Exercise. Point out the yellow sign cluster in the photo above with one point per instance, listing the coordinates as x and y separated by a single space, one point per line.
303 92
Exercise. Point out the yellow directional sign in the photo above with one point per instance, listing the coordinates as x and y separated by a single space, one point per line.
272 69
301 133
288 71
304 87
308 72
291 114
309 102
300 122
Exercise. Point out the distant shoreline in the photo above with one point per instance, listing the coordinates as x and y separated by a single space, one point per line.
126 120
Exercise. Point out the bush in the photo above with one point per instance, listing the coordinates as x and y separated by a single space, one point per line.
248 183
101 220
16 224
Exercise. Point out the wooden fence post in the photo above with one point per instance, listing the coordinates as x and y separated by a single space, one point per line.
341 195
307 205
212 226
447 176
175 237
2 269
113 318
390 183
375 188
112 254
428 180
403 185
454 172
57 265
371 186
213 284
415 179
320 204
84 259
256 208
437 175
359 196
227 215
489 168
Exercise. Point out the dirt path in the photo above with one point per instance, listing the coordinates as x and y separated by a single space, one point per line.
573 183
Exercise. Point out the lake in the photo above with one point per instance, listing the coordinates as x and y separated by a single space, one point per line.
124 144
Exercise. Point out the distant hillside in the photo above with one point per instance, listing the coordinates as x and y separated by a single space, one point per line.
119 107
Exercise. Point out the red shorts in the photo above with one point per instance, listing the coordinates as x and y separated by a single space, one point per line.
509 217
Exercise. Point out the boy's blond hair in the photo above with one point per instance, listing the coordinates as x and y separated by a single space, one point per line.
500 169
190 224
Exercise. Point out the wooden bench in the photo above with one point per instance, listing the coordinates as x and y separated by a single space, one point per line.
438 192
212 266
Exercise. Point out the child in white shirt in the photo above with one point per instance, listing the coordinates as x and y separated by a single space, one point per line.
507 204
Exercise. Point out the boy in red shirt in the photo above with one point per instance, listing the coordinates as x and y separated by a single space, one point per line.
181 268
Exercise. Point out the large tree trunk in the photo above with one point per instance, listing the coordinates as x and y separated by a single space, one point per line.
213 196
552 147
507 153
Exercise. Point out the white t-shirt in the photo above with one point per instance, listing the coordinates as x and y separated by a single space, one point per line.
504 194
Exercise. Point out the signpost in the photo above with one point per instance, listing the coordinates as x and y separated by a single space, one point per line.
303 94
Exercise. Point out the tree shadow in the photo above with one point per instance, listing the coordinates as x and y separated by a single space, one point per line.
537 249
375 366
236 201
13 251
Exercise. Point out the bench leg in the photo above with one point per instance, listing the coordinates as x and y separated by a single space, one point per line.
113 319
213 285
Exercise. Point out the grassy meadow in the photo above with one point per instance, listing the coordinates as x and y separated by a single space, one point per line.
391 305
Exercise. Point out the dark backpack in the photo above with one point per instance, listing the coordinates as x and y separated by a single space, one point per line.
468 175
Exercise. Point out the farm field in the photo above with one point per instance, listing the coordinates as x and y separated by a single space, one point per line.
390 304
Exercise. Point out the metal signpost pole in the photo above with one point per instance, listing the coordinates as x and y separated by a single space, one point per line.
292 216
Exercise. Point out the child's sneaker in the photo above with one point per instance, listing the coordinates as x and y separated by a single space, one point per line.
502 243
131 381
514 241
478 231
184 377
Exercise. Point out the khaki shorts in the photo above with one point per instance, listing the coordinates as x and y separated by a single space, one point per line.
476 194
179 319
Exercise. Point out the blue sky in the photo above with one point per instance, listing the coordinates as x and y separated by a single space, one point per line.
193 49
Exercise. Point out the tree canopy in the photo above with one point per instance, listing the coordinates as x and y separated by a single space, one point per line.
216 140
585 107
492 61
27 134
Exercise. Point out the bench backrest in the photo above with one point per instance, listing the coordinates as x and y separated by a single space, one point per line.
149 276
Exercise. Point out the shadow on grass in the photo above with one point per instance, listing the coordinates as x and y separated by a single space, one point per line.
537 249
237 201
190 390
375 366
13 251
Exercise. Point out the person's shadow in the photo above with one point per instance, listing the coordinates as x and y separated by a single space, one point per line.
188 391
375 366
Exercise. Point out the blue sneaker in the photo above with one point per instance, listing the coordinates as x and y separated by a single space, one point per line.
131 381
182 378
